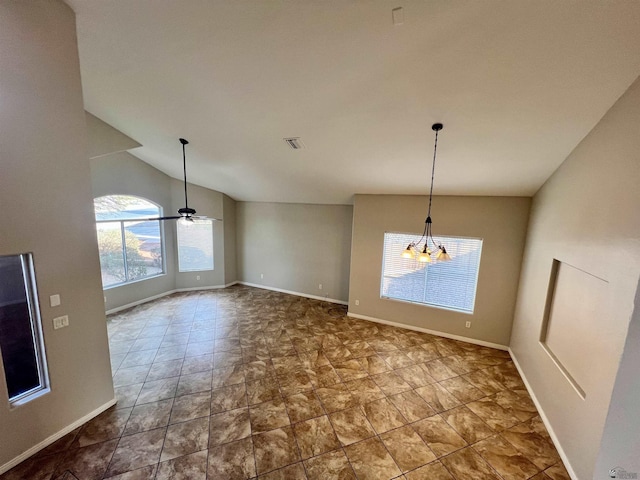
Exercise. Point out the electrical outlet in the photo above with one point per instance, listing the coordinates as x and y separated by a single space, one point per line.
357 302
319 286
262 275
60 322
197 277
468 324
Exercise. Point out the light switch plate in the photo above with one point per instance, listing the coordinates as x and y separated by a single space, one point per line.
54 300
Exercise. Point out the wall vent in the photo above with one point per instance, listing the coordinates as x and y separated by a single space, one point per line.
294 142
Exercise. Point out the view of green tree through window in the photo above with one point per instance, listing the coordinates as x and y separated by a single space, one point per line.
130 245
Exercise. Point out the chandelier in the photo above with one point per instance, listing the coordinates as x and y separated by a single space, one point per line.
430 247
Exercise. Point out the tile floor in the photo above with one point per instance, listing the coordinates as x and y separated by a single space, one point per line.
246 383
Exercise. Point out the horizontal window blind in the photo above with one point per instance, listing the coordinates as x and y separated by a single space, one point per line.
450 285
195 245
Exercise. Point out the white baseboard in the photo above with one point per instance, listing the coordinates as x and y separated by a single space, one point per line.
298 294
164 294
432 332
544 418
56 436
211 287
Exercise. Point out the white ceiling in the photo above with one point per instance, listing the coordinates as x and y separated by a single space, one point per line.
517 85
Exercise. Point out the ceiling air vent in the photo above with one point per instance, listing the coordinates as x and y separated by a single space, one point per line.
294 142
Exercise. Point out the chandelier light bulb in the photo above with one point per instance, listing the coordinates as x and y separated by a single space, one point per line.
424 257
408 252
443 256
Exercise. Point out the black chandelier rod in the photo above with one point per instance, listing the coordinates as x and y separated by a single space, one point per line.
435 127
426 234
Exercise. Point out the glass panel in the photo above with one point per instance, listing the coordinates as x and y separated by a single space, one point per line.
17 336
130 244
195 245
124 207
111 253
144 250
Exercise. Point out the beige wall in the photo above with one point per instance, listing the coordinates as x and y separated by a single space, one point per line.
499 221
295 246
586 216
45 193
103 139
621 440
229 228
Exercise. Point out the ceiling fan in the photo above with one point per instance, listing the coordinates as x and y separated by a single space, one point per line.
185 213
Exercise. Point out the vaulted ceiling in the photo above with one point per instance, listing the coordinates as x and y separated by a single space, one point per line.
517 85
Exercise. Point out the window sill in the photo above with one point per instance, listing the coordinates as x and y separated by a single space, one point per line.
28 398
124 284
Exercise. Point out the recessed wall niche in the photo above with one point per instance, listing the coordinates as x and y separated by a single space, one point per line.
574 329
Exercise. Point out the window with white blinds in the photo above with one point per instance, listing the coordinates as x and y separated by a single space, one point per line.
450 285
195 245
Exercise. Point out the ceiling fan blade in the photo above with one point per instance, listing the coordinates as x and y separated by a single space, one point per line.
204 217
175 217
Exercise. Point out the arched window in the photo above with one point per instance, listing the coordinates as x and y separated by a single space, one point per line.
130 245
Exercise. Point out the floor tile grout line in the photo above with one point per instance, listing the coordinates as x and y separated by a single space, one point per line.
489 463
387 395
